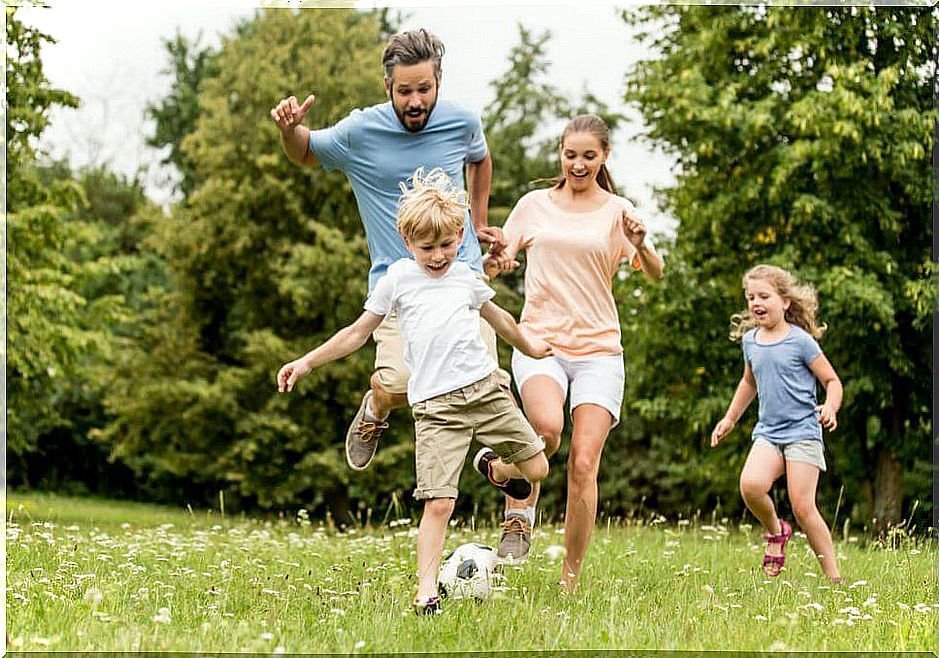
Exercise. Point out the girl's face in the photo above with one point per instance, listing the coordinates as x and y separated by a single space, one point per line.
581 158
765 304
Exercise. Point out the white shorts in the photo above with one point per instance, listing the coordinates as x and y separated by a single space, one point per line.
598 380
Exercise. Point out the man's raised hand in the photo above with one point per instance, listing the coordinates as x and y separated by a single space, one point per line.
287 114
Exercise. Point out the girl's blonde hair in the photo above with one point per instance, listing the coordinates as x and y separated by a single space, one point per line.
803 302
432 207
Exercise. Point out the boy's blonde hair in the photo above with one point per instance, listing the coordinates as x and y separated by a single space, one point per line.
433 207
803 302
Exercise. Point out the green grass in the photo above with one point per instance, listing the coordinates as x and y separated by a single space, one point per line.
87 575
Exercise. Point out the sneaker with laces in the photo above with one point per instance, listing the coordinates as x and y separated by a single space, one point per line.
515 487
362 437
516 539
429 606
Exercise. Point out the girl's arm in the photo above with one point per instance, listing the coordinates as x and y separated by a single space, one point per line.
828 412
743 396
344 342
504 325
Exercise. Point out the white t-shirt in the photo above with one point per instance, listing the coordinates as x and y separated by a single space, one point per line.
439 322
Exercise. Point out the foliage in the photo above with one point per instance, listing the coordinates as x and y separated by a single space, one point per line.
802 137
177 113
267 261
50 322
111 271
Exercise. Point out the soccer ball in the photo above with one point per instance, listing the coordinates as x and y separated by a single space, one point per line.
467 572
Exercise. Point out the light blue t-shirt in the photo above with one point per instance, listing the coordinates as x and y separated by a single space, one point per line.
376 154
785 385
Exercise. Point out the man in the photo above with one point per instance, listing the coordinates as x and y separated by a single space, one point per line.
379 148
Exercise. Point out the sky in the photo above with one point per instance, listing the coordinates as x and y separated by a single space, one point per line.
111 55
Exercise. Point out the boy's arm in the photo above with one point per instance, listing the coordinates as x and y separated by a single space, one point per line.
345 341
504 325
743 396
825 373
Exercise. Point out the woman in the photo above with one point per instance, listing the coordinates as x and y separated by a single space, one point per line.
575 235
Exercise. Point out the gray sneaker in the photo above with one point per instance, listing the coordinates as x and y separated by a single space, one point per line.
362 437
516 539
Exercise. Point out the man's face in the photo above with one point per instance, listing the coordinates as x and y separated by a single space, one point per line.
413 94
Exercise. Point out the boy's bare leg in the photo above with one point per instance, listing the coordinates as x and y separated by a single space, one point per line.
430 537
383 402
533 469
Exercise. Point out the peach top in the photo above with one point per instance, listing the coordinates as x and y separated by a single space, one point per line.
571 260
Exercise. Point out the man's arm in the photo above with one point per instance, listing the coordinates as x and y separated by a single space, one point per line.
294 138
478 184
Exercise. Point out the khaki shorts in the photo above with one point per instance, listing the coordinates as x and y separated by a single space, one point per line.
810 451
445 425
390 368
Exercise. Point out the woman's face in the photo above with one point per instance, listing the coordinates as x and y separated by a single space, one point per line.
581 158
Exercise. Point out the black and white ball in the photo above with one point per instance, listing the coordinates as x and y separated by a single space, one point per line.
468 572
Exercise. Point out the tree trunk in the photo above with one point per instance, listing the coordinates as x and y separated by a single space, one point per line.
888 491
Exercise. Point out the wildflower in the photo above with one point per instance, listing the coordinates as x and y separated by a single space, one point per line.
163 616
555 552
760 618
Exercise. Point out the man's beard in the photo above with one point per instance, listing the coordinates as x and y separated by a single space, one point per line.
403 116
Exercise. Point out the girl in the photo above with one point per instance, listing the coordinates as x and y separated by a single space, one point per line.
575 234
781 362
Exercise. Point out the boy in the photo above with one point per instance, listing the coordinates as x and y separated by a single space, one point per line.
453 390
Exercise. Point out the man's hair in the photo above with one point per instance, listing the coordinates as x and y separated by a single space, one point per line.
433 207
409 48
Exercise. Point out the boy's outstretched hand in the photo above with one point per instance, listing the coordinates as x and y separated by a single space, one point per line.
538 349
290 373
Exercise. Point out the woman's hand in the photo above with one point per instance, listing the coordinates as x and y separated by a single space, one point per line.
634 228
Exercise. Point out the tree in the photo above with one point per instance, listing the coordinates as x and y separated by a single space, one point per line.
266 260
803 138
177 113
47 322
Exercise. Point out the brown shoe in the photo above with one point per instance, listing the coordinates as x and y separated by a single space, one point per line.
516 539
362 437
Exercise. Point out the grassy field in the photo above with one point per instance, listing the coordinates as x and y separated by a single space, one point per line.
106 576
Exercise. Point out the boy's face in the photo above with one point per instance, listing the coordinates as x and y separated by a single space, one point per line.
434 256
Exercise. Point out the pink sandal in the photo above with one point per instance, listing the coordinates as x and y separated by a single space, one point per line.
773 564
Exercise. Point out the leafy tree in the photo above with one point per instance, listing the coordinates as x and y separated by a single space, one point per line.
177 113
47 321
803 139
266 260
